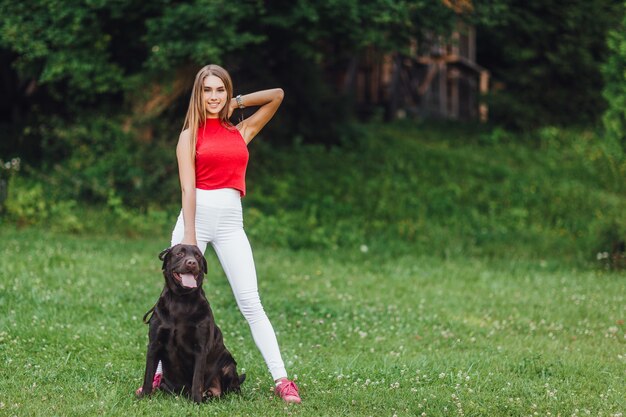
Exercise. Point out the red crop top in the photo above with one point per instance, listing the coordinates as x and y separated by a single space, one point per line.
221 157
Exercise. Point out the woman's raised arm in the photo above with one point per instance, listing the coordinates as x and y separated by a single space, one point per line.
269 100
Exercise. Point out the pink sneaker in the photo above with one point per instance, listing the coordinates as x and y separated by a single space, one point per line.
156 383
288 391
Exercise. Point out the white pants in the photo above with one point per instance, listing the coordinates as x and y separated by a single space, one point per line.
219 221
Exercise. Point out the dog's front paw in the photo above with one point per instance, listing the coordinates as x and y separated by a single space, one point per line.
211 393
140 393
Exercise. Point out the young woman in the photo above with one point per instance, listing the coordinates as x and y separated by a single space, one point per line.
212 158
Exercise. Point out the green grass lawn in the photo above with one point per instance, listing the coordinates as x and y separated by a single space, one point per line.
364 333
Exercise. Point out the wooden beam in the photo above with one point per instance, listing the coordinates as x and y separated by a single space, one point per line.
483 110
349 80
392 107
453 79
450 59
443 90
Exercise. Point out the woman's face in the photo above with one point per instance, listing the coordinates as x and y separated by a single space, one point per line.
214 95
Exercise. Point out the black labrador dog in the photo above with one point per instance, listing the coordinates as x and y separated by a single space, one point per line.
183 334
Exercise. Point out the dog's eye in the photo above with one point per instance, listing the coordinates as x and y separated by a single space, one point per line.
179 254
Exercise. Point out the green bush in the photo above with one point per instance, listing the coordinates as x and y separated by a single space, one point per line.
28 204
608 234
614 72
94 156
545 59
455 191
438 190
7 170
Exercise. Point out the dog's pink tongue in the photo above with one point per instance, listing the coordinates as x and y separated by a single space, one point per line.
188 280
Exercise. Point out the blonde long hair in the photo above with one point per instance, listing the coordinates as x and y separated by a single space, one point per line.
196 113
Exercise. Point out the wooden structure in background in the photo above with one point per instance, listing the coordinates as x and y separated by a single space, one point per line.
437 79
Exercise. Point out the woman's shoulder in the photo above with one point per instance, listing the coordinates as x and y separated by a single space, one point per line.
184 139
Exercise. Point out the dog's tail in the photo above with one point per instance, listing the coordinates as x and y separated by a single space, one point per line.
149 313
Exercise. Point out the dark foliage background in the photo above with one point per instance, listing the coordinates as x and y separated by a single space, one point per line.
93 92
91 88
545 57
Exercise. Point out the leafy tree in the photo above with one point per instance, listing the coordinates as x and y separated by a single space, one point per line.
96 52
615 87
80 78
545 58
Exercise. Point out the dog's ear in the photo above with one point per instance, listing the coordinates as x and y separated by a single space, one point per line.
163 255
205 268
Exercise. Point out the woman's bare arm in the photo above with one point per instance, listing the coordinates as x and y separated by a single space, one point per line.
187 175
268 100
